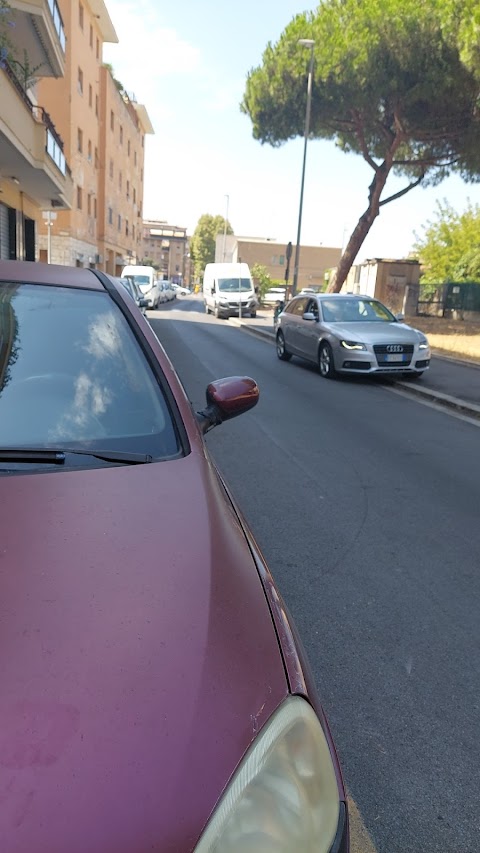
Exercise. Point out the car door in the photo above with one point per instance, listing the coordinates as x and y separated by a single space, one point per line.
292 326
309 331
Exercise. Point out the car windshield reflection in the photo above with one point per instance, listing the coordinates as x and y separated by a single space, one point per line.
73 374
355 311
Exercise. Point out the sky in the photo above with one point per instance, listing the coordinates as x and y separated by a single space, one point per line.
187 62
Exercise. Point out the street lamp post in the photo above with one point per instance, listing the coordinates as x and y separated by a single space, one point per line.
306 43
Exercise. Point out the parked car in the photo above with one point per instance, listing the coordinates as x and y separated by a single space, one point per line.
180 290
343 333
154 695
169 291
133 289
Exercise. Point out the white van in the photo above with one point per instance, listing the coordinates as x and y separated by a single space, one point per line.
146 278
228 290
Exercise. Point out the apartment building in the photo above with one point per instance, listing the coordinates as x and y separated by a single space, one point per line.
34 171
167 247
124 124
103 131
315 261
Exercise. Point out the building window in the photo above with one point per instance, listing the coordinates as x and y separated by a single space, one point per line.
119 180
119 222
133 232
95 208
134 196
91 36
143 140
80 16
89 204
79 198
111 168
79 140
126 228
96 158
121 135
90 95
96 105
89 151
128 189
80 81
112 120
128 148
110 216
98 49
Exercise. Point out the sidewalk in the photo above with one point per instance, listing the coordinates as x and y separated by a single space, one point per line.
450 382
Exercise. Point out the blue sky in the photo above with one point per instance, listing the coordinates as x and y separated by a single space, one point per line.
187 61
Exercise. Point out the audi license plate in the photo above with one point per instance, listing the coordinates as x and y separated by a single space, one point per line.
395 357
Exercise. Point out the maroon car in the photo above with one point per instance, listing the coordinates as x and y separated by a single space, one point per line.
153 692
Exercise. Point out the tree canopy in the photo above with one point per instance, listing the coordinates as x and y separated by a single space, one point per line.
449 249
395 81
202 244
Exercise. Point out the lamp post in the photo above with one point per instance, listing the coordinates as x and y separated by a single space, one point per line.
305 43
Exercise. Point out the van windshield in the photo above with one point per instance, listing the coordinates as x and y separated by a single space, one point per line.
231 285
141 279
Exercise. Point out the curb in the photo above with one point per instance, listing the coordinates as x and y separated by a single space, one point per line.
462 406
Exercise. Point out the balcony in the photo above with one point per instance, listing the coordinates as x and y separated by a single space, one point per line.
38 33
31 150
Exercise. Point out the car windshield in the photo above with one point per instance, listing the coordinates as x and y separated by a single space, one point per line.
73 375
234 284
355 311
141 279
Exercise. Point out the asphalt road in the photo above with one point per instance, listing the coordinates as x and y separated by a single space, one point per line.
365 504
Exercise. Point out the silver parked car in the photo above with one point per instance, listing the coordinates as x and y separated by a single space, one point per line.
343 333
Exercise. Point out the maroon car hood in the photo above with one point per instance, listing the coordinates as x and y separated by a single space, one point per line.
138 657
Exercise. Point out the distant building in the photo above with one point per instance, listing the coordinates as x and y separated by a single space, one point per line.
168 247
315 261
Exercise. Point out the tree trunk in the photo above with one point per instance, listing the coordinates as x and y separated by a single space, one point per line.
361 229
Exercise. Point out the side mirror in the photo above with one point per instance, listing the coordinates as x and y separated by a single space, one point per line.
400 317
227 398
309 316
142 303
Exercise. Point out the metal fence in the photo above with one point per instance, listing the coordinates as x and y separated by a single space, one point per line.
440 300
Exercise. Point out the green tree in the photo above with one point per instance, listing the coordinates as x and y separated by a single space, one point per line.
395 81
202 244
449 248
262 279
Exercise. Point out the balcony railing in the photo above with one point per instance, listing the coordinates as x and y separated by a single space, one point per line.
57 21
54 142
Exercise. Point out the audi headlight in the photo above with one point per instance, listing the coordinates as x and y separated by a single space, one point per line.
284 795
352 345
423 343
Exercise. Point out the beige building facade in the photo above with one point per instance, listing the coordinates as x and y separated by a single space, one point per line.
103 132
393 282
34 171
315 261
168 247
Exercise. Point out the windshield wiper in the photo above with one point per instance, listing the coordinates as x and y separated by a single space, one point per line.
58 457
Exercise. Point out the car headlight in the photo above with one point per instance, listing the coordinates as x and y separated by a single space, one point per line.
284 796
223 299
423 343
352 345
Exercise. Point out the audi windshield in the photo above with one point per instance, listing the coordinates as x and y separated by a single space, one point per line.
355 311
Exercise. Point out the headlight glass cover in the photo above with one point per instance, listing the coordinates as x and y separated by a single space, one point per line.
353 345
284 795
423 343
